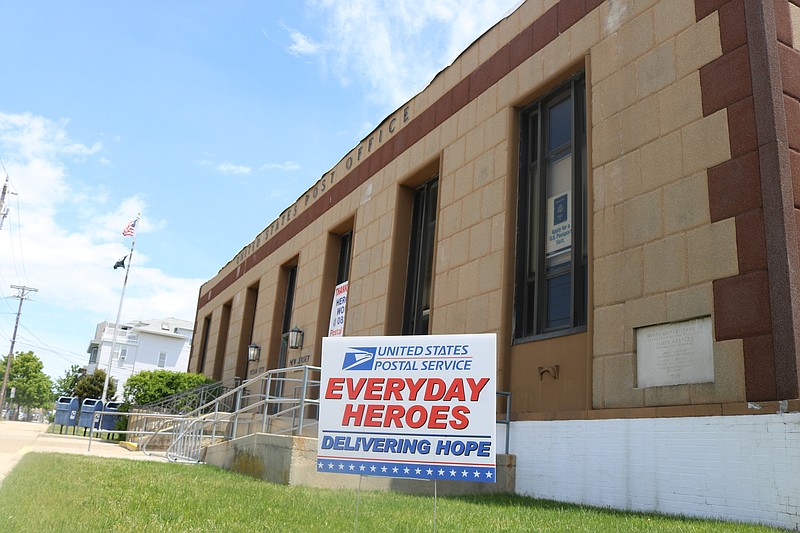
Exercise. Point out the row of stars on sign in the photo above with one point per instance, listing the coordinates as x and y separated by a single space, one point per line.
395 470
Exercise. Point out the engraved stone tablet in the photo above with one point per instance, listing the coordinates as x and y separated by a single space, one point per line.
675 354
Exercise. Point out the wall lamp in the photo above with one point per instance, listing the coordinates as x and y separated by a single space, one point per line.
253 352
295 338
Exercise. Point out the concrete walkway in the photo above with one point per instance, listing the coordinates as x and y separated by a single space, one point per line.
19 438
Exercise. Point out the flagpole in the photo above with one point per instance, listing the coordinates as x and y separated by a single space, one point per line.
119 313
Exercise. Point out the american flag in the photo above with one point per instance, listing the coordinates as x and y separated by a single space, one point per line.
130 228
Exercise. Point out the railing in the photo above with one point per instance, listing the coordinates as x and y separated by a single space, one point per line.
188 445
282 401
189 400
507 420
143 424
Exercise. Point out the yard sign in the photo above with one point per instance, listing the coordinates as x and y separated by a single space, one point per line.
418 407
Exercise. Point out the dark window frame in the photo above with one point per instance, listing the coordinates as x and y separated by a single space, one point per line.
288 304
290 271
419 276
201 364
531 298
345 253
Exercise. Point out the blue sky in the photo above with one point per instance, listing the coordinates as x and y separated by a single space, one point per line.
207 117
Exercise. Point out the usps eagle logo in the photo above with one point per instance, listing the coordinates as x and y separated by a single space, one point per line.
359 359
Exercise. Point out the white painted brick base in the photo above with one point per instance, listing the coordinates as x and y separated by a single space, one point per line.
741 468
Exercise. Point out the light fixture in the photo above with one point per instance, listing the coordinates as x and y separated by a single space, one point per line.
253 352
295 338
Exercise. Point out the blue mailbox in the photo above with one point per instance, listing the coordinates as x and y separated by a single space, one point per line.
110 421
90 413
66 411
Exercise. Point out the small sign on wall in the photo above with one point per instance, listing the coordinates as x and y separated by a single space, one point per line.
679 353
338 308
559 224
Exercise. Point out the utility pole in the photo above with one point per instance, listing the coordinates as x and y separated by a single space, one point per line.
3 208
21 296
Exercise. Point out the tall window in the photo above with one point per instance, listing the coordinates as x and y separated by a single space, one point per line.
551 284
222 339
162 359
248 326
93 355
201 364
417 309
345 248
286 323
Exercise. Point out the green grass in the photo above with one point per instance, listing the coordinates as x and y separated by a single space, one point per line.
52 493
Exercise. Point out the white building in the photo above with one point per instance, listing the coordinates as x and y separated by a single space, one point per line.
141 345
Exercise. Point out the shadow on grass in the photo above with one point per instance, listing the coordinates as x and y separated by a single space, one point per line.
83 432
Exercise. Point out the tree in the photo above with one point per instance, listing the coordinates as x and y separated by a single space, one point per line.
152 385
33 386
65 385
91 386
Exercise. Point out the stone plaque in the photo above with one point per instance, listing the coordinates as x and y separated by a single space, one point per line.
675 354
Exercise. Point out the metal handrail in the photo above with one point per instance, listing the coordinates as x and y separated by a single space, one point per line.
233 392
251 396
199 394
507 420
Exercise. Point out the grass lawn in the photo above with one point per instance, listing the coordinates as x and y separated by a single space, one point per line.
55 493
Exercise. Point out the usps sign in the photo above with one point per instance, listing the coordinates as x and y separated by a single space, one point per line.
418 407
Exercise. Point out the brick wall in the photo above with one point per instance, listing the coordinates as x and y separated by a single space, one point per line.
658 248
754 187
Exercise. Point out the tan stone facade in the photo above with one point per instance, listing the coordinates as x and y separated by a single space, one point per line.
693 156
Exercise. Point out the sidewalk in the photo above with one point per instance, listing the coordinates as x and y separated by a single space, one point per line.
19 438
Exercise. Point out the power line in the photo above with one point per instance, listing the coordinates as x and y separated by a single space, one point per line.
62 353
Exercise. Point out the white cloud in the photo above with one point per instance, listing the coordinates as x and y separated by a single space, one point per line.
286 166
230 168
396 47
301 44
33 136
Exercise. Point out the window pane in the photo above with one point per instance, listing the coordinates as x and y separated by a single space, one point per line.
428 241
558 301
560 124
558 226
533 138
416 313
288 305
343 269
551 254
533 223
